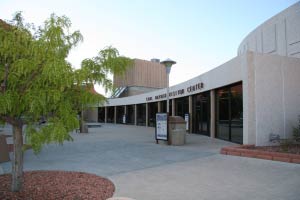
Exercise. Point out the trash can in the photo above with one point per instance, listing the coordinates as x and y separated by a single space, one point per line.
4 151
177 126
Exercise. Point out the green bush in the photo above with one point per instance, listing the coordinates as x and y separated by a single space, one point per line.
286 143
296 133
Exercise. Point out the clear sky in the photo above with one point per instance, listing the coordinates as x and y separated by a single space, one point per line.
199 35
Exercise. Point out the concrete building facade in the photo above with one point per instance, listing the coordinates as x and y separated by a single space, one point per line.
279 35
143 76
244 100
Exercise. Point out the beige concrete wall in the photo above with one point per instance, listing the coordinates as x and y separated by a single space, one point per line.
277 96
249 109
279 35
143 73
228 73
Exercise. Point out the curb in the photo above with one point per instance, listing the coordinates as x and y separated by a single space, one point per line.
247 151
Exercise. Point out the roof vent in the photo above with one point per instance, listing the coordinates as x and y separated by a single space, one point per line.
155 60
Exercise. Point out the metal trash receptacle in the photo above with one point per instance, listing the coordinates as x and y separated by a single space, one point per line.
177 130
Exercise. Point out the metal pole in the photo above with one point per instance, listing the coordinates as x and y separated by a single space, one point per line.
168 93
168 64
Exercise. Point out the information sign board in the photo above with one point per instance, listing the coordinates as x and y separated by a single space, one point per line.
161 130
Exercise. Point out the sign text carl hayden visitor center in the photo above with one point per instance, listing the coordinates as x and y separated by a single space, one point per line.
243 101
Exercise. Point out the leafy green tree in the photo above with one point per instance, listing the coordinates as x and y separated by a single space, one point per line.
36 81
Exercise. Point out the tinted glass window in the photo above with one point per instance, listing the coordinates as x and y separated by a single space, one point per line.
229 116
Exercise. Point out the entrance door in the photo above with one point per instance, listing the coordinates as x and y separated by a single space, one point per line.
229 115
202 114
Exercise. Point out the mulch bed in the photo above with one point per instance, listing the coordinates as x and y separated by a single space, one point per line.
52 185
293 148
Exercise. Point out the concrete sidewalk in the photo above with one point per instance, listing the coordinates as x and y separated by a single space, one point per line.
143 170
215 177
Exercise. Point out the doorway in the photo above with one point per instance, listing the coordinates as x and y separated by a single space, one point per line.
229 115
201 110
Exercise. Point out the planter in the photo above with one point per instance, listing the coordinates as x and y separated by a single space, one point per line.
249 151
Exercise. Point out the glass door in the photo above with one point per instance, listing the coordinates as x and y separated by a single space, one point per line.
205 116
223 120
201 110
229 118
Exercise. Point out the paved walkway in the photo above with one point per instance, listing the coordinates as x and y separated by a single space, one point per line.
143 170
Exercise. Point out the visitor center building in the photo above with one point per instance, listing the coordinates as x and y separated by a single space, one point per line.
245 100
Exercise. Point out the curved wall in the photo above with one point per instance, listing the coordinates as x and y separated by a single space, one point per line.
270 83
228 73
279 35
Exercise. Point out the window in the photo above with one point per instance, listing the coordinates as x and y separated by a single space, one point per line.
229 116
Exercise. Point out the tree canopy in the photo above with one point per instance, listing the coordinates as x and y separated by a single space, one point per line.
37 80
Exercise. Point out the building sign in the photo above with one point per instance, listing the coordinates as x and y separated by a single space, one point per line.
195 87
176 93
161 131
161 96
180 92
148 98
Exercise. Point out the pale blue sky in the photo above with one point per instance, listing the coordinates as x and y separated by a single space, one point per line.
198 34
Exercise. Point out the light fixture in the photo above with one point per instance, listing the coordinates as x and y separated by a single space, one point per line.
168 64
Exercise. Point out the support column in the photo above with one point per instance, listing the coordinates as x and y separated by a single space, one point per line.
125 113
147 124
212 114
159 106
135 114
115 114
93 114
191 113
105 115
173 107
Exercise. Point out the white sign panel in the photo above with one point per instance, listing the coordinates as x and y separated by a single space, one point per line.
124 119
161 126
187 119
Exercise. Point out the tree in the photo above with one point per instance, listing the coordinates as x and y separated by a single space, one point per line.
37 81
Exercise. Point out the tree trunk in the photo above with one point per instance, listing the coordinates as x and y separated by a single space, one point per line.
17 162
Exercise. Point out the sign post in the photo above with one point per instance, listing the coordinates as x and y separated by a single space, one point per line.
161 128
